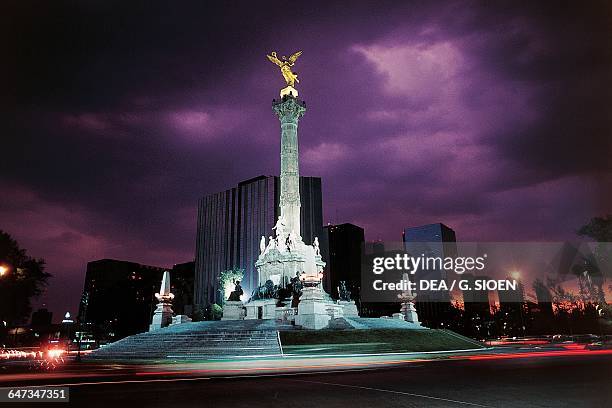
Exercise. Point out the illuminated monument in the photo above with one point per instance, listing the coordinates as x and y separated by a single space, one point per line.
289 269
289 293
162 316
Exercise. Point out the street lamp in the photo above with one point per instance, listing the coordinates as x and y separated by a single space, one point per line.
3 270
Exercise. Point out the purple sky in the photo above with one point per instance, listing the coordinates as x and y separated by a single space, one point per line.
115 120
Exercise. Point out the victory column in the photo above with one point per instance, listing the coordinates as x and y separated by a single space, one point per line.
289 271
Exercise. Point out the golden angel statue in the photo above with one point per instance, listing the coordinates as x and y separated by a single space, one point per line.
285 65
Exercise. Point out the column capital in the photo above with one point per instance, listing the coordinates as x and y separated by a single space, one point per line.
289 109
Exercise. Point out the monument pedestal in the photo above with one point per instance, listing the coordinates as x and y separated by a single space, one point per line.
180 319
410 313
349 308
261 309
312 310
233 310
162 316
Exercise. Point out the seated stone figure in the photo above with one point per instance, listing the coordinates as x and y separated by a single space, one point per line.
235 295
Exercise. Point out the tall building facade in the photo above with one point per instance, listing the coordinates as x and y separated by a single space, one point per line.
181 282
431 240
119 296
477 308
232 222
512 311
344 251
368 308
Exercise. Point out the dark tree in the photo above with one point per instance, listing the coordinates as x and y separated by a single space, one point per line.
599 268
24 279
599 228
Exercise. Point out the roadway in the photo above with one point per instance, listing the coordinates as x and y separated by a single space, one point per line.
489 378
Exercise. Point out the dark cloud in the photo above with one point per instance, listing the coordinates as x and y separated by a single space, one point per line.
117 117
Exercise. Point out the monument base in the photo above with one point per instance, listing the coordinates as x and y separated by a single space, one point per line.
312 310
349 308
180 319
261 309
410 313
233 310
162 317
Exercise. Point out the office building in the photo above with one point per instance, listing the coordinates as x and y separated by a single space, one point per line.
345 244
231 224
181 283
119 296
431 240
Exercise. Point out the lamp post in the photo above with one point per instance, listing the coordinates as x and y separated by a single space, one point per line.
3 271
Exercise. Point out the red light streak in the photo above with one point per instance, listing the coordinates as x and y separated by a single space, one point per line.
559 353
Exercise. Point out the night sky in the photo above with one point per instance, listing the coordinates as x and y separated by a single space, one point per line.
117 118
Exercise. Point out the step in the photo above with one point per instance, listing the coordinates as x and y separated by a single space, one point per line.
165 343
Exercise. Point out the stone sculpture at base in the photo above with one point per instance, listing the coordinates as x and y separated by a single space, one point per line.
408 310
349 308
162 316
233 308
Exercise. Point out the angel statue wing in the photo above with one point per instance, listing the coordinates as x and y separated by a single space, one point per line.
274 59
294 57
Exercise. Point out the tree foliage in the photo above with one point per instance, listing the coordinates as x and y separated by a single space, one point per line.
230 276
599 268
599 229
227 279
24 280
212 312
216 312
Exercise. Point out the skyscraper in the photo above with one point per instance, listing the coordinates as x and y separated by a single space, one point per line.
181 281
477 308
232 222
344 252
120 295
431 240
512 309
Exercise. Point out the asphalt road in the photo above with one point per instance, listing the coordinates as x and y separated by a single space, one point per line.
568 381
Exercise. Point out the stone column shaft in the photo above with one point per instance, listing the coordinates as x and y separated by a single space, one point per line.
289 111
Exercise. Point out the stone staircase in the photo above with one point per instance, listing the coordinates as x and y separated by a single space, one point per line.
464 338
194 341
380 323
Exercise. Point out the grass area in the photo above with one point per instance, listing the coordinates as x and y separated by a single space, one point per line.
371 341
